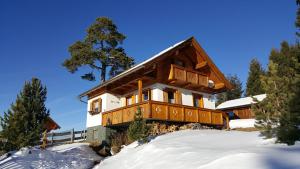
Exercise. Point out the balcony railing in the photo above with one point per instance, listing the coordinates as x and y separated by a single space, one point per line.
181 75
154 110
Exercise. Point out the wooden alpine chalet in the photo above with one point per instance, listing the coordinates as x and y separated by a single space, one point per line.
178 85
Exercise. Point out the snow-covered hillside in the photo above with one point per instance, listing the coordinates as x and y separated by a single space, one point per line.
68 156
206 149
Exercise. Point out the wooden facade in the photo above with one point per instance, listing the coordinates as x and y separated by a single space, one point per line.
50 124
153 110
241 112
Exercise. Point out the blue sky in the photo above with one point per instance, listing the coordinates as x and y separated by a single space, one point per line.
35 35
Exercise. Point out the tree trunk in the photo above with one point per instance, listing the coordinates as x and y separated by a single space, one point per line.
103 72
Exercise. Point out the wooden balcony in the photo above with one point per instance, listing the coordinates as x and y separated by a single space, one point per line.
154 110
182 76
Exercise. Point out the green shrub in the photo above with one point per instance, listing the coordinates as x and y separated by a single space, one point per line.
138 129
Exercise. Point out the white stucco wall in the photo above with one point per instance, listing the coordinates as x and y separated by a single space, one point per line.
95 120
112 102
187 97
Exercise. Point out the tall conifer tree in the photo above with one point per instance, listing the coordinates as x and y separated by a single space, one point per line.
24 122
100 50
276 115
253 86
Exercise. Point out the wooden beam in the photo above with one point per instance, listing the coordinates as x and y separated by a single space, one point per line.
201 65
219 86
140 90
227 123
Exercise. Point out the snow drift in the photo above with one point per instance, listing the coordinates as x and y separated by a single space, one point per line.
69 156
241 123
206 149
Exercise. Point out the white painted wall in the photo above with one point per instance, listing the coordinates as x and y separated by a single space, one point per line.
110 101
187 97
95 120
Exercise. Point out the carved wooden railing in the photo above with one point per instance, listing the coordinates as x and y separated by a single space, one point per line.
182 75
154 110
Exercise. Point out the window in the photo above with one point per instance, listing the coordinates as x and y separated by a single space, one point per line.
231 115
146 95
128 100
171 97
198 100
96 106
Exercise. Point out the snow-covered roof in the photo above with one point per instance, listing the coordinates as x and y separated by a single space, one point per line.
241 102
136 67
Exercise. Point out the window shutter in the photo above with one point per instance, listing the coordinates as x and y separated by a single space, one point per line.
201 104
91 106
100 105
165 96
133 99
178 97
143 97
149 94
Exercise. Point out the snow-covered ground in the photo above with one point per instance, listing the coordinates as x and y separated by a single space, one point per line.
241 123
206 149
68 156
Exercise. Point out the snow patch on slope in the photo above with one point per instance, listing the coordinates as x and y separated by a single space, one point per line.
69 156
206 149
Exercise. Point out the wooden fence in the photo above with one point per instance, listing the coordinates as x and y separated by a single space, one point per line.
68 136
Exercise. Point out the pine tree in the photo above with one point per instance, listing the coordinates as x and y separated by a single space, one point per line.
138 129
297 23
267 112
235 93
253 86
289 128
277 115
100 50
24 122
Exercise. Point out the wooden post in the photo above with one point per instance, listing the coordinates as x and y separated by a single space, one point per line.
52 135
44 144
72 135
140 90
227 123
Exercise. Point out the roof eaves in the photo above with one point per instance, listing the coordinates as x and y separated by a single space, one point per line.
134 68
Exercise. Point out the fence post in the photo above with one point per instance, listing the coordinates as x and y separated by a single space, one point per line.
72 135
52 135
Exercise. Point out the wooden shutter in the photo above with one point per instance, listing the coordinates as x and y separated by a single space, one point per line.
100 105
133 99
201 103
178 97
165 95
91 105
149 94
143 97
